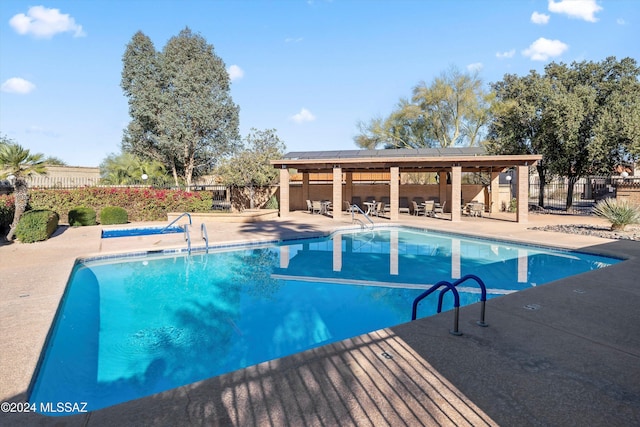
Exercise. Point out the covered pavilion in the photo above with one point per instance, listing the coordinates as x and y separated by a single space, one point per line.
448 163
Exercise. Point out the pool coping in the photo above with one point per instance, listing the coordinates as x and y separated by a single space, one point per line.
195 403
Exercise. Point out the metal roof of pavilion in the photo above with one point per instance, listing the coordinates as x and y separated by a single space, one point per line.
408 160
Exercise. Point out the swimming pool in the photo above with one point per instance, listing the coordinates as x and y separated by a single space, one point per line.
140 231
133 326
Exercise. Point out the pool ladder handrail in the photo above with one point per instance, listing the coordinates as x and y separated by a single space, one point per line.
187 214
456 304
187 237
204 236
483 296
456 300
355 207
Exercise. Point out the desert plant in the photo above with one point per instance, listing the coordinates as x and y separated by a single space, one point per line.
82 216
272 203
619 213
113 215
19 163
36 225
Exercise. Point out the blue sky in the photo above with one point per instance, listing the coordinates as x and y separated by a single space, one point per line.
309 69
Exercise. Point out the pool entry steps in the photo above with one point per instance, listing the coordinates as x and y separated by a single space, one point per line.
448 286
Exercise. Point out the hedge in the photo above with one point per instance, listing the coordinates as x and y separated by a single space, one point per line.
36 225
113 215
141 204
82 216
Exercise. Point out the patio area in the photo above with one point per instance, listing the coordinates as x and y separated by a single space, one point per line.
574 360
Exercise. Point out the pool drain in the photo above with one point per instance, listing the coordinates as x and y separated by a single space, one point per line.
532 307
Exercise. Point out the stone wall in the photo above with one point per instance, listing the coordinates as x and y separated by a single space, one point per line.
629 191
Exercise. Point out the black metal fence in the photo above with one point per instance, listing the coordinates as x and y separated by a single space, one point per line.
587 192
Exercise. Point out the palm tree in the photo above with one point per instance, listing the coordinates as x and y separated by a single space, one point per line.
20 163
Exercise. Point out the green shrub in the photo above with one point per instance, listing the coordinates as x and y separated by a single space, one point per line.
272 203
7 210
82 216
36 225
113 215
619 213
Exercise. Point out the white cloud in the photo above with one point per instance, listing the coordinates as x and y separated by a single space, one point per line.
507 54
235 72
303 116
42 22
539 18
476 66
621 21
293 39
543 49
579 9
17 85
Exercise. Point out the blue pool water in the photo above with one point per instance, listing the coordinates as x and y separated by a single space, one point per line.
135 326
142 231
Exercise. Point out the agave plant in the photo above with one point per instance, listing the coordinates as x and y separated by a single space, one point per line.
619 213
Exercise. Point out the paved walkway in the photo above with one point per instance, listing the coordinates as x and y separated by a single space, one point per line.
573 361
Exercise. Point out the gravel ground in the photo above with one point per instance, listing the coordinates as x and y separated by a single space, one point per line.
632 232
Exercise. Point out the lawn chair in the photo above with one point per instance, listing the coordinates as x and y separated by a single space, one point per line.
379 209
309 206
316 206
439 208
429 205
404 205
417 209
476 209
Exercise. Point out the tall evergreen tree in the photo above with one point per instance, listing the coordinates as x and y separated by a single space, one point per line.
182 113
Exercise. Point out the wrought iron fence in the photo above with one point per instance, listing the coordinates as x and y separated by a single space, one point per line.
587 192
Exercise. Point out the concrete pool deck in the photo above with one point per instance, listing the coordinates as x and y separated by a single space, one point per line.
572 360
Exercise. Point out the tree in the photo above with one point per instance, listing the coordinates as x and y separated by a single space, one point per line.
54 161
127 168
251 164
20 163
583 118
182 112
453 110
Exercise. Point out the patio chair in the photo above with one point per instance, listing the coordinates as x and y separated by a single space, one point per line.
404 205
379 209
429 205
439 208
348 207
476 209
417 209
309 206
316 206
355 200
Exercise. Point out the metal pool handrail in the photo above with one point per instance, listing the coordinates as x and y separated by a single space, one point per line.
483 296
353 218
187 237
205 236
456 303
187 214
